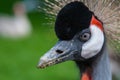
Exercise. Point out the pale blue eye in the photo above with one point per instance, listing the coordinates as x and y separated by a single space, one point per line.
85 36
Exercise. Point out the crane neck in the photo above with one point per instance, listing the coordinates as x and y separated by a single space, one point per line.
97 68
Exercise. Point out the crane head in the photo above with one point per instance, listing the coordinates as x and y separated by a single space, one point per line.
80 33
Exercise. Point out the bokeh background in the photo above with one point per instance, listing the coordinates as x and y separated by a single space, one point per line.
19 57
20 53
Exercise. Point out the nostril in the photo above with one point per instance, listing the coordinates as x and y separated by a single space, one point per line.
59 51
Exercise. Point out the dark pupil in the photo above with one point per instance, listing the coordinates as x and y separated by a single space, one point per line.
85 36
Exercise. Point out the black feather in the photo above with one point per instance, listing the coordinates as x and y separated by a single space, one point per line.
72 18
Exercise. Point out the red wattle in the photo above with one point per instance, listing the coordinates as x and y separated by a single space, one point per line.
96 22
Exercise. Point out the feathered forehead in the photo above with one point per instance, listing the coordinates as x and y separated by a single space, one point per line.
72 18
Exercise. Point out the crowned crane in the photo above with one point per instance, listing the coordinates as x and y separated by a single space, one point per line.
82 39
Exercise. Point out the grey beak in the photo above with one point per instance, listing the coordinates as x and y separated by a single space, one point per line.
62 51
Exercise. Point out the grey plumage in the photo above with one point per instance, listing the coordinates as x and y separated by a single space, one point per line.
102 68
108 11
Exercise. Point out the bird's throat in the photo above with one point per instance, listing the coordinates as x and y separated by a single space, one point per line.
97 68
86 75
85 70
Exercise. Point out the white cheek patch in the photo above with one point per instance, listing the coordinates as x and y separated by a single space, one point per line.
93 46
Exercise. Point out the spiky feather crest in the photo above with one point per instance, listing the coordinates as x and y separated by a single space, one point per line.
108 11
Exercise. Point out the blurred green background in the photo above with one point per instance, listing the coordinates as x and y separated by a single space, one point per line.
19 58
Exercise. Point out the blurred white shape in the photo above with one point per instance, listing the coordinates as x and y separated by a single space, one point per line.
15 26
115 64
